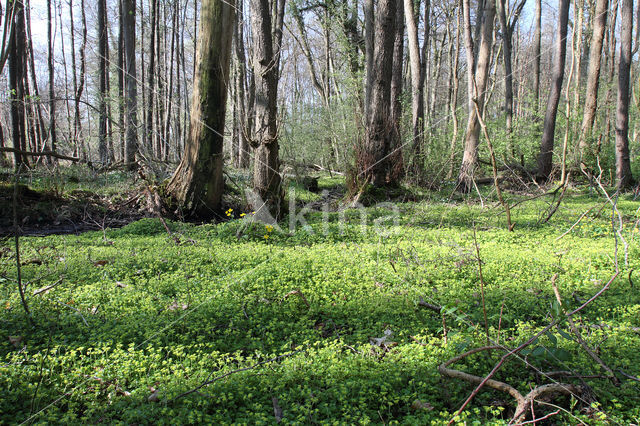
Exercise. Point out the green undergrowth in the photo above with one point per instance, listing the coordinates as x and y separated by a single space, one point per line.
134 319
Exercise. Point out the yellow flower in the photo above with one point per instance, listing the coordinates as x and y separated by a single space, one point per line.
266 237
242 214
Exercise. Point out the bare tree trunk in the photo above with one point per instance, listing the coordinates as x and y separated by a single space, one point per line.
593 76
611 62
243 129
623 163
545 157
537 40
131 87
417 80
369 38
151 77
477 82
197 184
168 118
373 158
396 168
266 45
103 71
121 86
507 27
455 84
41 141
16 59
52 94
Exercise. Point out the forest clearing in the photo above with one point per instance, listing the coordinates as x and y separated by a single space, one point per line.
313 212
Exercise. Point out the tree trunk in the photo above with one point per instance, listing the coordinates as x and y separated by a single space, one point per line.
545 158
623 163
17 51
241 97
593 75
131 87
103 72
396 169
373 158
477 84
369 37
267 182
50 62
417 80
151 78
537 41
197 184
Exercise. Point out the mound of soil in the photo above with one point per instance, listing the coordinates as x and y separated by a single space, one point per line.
45 212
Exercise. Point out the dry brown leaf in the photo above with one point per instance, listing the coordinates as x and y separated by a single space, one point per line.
100 263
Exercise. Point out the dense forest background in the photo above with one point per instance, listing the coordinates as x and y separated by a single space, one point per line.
373 211
109 82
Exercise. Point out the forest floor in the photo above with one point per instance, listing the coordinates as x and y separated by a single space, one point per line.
337 316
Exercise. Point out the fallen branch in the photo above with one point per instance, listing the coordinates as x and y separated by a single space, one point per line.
530 341
523 401
215 379
39 154
579 338
428 305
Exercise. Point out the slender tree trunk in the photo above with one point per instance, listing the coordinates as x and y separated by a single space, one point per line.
151 77
41 140
131 87
545 158
477 83
197 184
454 98
593 75
243 129
369 38
266 176
508 77
121 86
52 94
17 50
623 163
396 169
417 81
103 77
537 41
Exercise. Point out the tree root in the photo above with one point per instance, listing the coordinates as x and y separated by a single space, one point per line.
523 401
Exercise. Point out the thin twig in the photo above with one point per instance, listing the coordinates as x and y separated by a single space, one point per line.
215 379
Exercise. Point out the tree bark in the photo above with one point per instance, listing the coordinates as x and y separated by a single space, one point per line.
477 84
131 87
373 158
545 158
396 169
150 136
593 75
17 55
417 80
103 71
623 163
243 129
50 62
537 41
197 184
267 182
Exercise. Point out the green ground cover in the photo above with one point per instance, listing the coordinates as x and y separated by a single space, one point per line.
135 319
